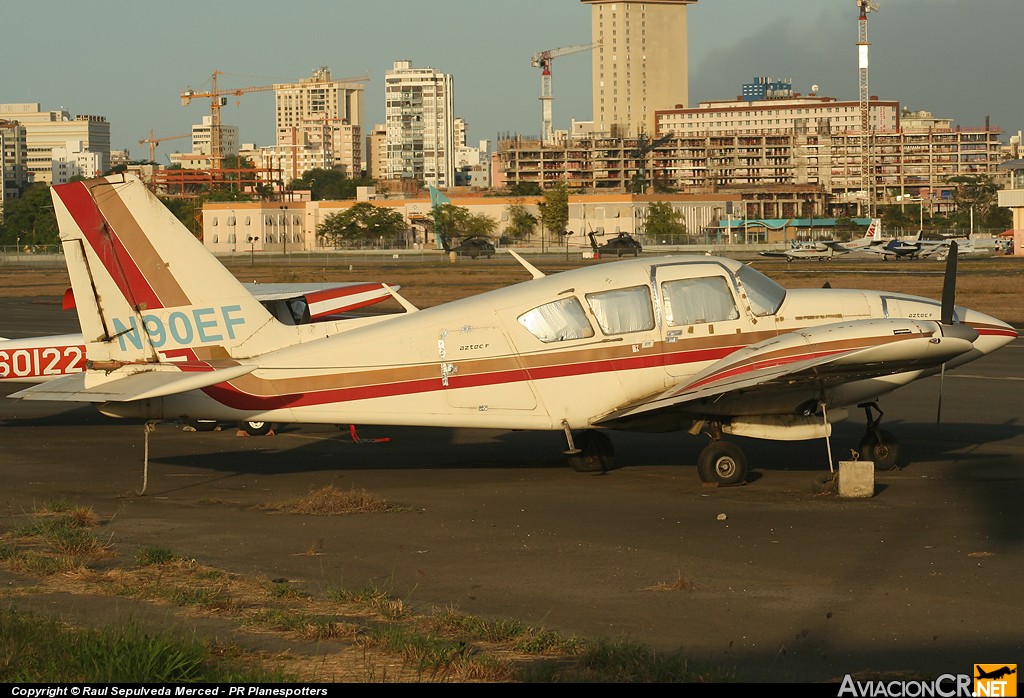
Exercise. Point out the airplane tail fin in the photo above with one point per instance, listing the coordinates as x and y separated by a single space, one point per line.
146 290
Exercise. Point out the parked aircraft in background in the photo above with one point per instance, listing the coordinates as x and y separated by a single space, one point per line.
695 343
827 249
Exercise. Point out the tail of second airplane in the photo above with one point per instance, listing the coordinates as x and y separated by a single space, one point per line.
146 290
872 236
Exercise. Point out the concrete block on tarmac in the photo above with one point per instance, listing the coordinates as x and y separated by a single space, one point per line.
856 478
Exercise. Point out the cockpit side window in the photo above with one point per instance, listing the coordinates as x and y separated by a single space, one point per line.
558 321
698 301
623 310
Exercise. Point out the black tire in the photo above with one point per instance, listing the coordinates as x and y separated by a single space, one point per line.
881 448
722 463
597 453
255 428
203 424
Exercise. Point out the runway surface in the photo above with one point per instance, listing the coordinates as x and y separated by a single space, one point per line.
926 576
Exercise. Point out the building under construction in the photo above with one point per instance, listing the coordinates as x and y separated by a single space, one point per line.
815 152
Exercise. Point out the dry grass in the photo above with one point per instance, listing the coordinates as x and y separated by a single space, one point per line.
330 501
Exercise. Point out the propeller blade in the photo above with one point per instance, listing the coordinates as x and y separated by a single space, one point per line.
938 408
949 286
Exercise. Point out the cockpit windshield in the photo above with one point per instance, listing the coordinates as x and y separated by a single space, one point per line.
764 295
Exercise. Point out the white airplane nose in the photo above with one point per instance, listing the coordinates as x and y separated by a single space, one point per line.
993 333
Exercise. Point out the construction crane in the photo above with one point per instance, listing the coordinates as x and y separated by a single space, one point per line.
154 142
867 177
218 98
543 61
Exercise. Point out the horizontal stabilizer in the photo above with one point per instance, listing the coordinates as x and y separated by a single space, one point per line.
137 386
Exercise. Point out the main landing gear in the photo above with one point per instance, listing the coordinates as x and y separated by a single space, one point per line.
721 462
590 451
878 445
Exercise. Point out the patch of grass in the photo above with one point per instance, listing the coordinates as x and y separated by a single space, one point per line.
371 598
309 626
427 652
209 599
154 555
41 650
475 628
330 501
283 590
680 584
624 662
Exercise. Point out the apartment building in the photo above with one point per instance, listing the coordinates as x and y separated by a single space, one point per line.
202 138
319 123
420 124
640 63
73 160
46 130
811 154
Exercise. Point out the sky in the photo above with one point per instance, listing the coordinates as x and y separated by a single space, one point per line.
128 60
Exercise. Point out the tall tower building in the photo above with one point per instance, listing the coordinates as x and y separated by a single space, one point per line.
420 124
640 65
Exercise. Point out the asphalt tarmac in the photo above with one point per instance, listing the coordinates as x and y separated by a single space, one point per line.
778 582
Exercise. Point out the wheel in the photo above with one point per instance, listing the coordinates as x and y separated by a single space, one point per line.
596 452
880 447
255 428
723 463
202 424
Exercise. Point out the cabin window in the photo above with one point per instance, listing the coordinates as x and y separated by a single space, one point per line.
698 301
623 310
558 321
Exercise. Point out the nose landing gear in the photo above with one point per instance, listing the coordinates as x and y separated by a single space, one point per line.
878 445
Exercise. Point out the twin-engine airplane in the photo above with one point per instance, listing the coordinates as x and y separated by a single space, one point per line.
694 343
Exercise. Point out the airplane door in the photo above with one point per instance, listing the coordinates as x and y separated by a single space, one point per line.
700 314
480 371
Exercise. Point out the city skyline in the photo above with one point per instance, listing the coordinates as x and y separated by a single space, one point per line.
951 57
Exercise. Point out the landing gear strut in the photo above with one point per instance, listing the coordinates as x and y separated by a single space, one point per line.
878 445
721 462
590 451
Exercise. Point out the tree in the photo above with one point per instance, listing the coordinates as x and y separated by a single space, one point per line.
977 193
363 221
555 208
457 221
327 184
663 221
521 223
29 219
525 189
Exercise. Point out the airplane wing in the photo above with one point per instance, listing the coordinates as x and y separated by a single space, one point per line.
823 356
323 300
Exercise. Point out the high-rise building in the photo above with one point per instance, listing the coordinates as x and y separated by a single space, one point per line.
202 138
12 160
46 130
323 117
420 115
640 64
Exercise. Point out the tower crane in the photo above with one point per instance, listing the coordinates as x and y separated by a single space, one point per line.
218 98
154 142
867 177
543 61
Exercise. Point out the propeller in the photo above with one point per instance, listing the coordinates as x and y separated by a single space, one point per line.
950 327
949 286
